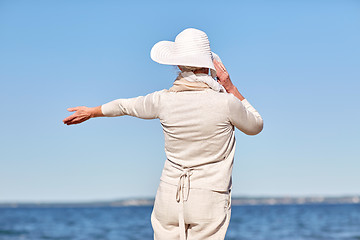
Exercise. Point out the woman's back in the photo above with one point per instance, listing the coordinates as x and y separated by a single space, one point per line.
197 127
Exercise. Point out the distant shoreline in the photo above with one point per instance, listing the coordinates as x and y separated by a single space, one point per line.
236 201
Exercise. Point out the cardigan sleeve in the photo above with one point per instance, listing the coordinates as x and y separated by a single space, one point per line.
244 116
145 107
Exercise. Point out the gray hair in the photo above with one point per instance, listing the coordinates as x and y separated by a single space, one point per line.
191 69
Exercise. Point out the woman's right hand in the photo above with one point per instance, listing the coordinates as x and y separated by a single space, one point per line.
81 114
223 76
224 79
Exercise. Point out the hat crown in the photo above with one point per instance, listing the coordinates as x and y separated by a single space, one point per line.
192 41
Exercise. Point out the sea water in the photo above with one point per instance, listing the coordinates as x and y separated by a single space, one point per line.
276 222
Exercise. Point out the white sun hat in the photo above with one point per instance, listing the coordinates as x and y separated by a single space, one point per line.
190 48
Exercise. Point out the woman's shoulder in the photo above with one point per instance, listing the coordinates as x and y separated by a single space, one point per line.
223 95
208 94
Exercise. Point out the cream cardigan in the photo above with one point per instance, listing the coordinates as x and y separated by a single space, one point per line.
199 132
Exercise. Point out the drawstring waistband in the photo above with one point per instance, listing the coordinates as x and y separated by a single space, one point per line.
181 197
184 178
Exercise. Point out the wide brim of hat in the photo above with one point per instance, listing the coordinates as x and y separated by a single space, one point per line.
164 52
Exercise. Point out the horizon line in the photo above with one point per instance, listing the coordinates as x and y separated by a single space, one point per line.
127 199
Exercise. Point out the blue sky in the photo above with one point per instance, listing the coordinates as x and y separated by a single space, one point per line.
297 62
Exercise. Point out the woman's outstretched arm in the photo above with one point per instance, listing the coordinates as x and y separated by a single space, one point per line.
145 107
82 114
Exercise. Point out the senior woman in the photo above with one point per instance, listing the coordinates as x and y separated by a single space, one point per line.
198 115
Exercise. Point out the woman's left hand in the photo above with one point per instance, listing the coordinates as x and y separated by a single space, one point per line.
81 114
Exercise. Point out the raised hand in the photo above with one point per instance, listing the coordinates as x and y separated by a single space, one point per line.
224 79
223 76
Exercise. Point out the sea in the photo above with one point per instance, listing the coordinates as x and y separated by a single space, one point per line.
260 222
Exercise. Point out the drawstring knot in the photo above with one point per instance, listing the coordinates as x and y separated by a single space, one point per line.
184 182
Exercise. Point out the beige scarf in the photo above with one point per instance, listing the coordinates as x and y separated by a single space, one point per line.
181 85
188 81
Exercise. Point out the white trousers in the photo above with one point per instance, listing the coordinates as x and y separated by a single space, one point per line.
204 214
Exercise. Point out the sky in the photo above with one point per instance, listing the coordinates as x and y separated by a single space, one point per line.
297 63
